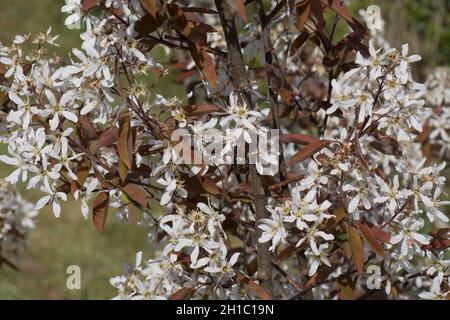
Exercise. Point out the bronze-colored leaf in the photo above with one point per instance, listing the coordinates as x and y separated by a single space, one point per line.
182 294
346 289
204 62
100 210
89 4
82 172
370 237
106 139
302 10
440 240
125 142
239 7
210 186
86 130
298 42
309 150
254 287
357 247
386 144
201 109
135 193
150 6
297 138
148 23
287 252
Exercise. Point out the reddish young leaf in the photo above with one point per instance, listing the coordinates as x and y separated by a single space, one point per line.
135 193
125 142
82 172
106 139
341 9
239 7
302 10
346 289
288 252
378 232
123 171
210 186
204 62
150 6
386 144
254 287
89 4
182 294
100 210
357 248
441 239
148 23
309 151
289 180
297 138
201 109
86 129
188 24
298 42
370 237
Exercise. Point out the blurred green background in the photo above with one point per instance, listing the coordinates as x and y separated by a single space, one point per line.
58 243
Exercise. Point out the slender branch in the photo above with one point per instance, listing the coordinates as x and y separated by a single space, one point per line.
272 81
241 83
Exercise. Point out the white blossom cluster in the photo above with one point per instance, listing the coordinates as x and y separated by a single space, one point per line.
438 98
381 96
372 171
17 219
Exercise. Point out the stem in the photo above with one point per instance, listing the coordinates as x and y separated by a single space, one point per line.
240 81
271 81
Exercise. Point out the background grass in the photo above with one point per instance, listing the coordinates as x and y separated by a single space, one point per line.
58 243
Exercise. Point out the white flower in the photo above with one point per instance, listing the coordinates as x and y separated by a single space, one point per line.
34 145
402 71
438 264
24 111
319 257
215 219
84 194
45 174
225 269
362 195
373 63
19 162
14 65
52 196
65 160
58 109
273 229
311 234
341 97
435 292
409 237
75 7
196 241
172 185
391 194
434 211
